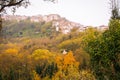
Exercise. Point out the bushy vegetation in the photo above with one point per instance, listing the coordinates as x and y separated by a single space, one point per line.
104 52
34 51
26 28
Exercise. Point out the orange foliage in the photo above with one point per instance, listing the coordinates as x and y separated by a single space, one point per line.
11 51
59 61
69 59
66 61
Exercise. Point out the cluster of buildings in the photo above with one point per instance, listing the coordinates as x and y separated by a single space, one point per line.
60 23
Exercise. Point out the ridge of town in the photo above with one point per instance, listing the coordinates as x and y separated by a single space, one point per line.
61 23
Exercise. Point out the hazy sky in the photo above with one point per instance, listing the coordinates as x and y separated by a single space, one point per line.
86 12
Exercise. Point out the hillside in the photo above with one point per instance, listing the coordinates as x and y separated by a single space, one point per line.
60 23
42 49
53 47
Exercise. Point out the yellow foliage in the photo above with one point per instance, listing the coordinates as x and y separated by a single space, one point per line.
27 41
87 74
58 75
59 61
11 51
46 78
12 48
70 44
10 45
43 54
69 60
35 76
63 62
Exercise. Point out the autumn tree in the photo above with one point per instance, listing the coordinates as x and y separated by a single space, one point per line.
67 67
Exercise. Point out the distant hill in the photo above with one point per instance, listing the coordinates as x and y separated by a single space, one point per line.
60 24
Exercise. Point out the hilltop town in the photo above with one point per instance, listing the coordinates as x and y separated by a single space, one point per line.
60 23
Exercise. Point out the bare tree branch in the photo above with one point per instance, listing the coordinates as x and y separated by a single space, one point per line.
10 4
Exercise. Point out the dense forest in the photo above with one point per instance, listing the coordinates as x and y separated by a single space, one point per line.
36 51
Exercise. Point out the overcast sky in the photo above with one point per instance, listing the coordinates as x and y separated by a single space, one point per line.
86 12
